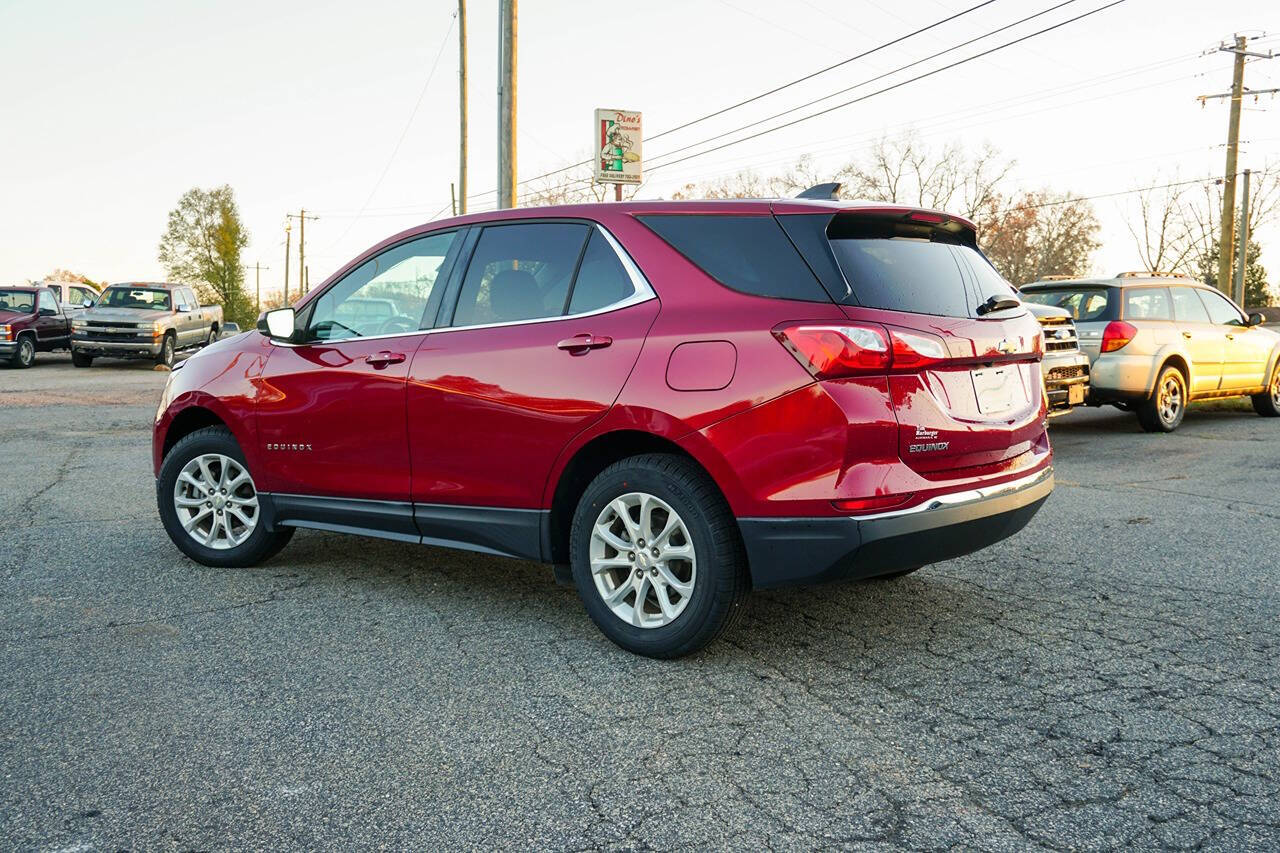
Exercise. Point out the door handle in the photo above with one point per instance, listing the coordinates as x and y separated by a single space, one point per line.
1187 335
382 359
1230 336
585 342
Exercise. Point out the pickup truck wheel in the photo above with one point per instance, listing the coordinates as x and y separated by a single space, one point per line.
211 337
657 557
1167 406
25 354
165 355
1267 403
209 504
81 360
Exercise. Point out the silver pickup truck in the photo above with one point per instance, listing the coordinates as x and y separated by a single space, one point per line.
143 320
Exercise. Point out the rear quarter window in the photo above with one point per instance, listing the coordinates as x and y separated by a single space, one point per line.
750 254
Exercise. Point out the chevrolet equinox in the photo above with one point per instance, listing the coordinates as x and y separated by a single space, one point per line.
671 403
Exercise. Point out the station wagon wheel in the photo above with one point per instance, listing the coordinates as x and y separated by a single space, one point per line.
643 560
1267 403
216 502
1166 407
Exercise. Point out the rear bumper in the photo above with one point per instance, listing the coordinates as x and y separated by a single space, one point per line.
1116 376
789 551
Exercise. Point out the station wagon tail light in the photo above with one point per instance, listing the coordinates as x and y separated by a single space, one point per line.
838 350
1116 335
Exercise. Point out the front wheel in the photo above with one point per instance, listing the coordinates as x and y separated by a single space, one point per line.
81 360
25 354
209 504
165 356
657 557
1267 403
1167 406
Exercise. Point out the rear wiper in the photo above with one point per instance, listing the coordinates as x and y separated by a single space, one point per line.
997 303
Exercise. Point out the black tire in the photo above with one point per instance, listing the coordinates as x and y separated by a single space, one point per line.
81 360
25 355
1267 403
260 545
167 349
1166 407
211 337
721 584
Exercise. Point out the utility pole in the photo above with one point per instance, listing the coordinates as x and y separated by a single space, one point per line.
1226 241
506 103
288 228
1244 240
257 283
461 207
302 218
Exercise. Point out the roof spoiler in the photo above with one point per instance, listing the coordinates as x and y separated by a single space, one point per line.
821 191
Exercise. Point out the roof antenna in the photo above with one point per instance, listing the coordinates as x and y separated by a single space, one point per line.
822 191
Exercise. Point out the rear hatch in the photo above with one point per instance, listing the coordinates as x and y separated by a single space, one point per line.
964 374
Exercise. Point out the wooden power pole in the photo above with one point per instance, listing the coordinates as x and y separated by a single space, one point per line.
1243 257
257 283
506 103
1226 240
302 216
462 107
288 235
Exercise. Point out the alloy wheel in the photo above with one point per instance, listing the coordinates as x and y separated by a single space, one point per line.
216 501
643 560
1170 399
1275 387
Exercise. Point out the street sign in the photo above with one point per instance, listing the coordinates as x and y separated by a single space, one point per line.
617 145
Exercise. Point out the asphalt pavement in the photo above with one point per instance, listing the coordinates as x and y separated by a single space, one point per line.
1108 677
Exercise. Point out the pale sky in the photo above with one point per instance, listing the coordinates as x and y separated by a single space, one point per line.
110 111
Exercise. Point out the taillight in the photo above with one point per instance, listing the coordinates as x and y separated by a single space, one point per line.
912 350
1116 335
831 351
849 350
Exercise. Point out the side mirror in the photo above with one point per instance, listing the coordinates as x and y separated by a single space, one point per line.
1256 319
48 312
277 324
87 303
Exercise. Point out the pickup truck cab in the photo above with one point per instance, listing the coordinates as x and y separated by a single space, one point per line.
31 321
143 320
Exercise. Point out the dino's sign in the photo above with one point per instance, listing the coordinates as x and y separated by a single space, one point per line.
617 146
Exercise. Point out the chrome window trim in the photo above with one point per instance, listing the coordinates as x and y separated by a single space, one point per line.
642 292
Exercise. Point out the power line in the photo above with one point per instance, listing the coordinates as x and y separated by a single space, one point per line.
870 80
898 85
772 91
1072 199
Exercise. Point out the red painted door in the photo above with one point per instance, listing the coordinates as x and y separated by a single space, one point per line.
331 419
490 409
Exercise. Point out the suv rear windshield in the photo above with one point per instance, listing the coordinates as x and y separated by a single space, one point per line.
1084 303
912 267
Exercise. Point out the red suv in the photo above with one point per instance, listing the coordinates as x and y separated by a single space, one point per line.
670 402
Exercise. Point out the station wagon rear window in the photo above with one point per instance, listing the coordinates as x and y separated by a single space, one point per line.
1084 303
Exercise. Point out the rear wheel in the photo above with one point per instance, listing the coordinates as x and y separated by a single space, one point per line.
1164 410
25 354
657 557
208 502
1267 403
81 360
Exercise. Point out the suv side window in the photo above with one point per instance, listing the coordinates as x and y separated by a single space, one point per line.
601 280
1147 303
1187 307
1221 311
386 295
520 272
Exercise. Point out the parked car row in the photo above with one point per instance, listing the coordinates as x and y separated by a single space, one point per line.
132 320
1156 342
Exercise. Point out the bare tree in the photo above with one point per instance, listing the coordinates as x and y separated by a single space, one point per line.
1162 229
905 170
1203 212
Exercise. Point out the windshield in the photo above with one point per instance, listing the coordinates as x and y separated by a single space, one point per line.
135 297
1084 303
22 301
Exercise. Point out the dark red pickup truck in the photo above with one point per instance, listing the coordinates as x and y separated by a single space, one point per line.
31 321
